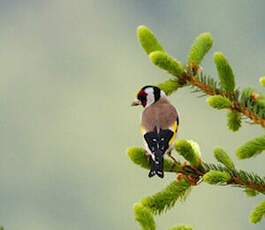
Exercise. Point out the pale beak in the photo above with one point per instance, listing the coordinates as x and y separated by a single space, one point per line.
136 102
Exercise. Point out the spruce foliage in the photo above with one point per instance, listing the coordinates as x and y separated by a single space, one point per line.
262 81
164 200
181 227
219 102
200 48
167 63
258 213
251 148
242 105
225 72
148 40
189 151
233 120
216 177
223 158
144 217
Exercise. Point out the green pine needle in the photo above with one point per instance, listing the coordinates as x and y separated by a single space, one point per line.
233 120
148 40
258 213
251 148
262 81
137 155
167 63
200 48
250 192
225 72
164 200
223 158
219 102
246 94
181 227
144 217
246 178
189 150
169 86
253 101
216 177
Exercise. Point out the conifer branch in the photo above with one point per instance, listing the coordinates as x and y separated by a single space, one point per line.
223 158
251 106
241 104
164 200
258 213
251 148
181 227
239 178
234 120
144 217
248 107
262 81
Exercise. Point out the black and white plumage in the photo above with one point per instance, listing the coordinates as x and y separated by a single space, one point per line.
158 143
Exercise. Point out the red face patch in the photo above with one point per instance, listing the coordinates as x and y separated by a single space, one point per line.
142 97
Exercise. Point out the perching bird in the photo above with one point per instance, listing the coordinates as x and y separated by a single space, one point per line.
159 125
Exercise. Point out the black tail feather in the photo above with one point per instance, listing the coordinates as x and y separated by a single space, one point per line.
153 169
160 168
157 167
158 144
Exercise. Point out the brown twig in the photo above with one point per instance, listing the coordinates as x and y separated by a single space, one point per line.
195 174
193 80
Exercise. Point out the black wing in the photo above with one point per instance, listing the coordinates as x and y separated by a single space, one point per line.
158 141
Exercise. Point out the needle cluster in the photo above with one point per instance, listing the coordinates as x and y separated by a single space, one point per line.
241 105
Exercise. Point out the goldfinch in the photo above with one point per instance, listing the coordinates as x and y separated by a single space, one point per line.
159 126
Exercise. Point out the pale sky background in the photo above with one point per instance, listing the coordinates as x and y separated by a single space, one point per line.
69 71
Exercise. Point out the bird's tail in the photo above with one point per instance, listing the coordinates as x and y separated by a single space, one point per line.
157 165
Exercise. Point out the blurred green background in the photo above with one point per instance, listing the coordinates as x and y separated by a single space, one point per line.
69 71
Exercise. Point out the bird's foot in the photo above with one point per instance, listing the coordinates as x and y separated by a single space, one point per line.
148 156
175 162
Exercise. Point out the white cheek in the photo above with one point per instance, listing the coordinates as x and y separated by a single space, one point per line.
150 99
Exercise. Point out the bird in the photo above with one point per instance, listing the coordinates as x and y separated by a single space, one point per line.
159 126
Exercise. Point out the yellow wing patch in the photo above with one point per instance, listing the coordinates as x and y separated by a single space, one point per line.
143 130
174 128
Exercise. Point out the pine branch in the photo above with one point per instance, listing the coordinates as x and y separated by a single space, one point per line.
248 107
216 177
234 120
189 150
252 106
239 178
144 217
251 148
200 48
225 72
164 200
258 213
138 156
148 40
223 158
246 104
262 81
181 227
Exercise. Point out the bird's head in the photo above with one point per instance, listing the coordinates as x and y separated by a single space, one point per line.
148 95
